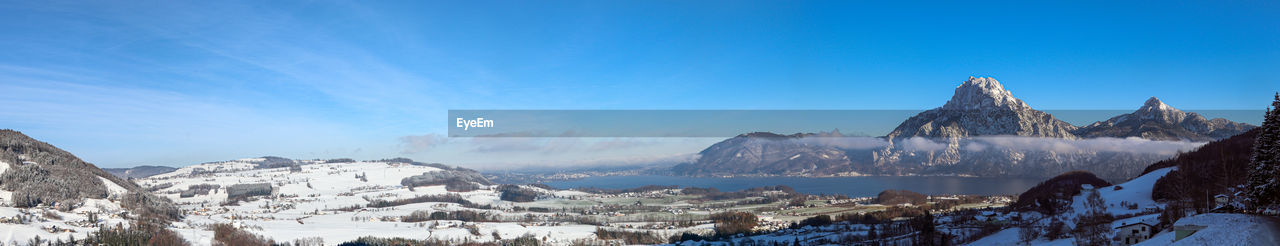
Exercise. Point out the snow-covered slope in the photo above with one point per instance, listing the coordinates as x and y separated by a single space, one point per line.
1221 229
1136 191
59 195
1009 237
1224 229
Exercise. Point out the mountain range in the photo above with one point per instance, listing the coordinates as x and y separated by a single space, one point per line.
1158 121
983 130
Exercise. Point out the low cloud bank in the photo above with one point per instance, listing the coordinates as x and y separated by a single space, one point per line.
1130 145
491 152
1014 143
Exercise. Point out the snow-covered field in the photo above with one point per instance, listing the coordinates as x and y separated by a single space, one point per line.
306 204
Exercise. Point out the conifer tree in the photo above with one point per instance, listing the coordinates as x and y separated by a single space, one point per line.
1264 192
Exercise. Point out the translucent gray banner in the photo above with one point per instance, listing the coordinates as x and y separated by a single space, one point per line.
723 123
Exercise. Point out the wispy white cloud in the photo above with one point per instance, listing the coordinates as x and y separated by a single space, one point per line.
227 79
121 125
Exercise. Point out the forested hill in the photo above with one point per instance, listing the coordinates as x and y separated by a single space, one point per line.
40 174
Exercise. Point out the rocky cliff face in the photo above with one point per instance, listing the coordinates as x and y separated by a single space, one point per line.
981 106
1156 120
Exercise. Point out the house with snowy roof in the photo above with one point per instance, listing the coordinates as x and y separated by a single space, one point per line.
1134 230
1133 233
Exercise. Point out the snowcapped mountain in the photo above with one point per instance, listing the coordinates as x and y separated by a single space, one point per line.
1156 120
981 106
983 130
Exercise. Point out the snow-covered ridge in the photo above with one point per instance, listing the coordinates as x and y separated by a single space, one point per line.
113 189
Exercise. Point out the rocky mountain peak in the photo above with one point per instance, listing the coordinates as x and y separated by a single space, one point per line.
1155 109
1158 121
1154 102
981 106
983 92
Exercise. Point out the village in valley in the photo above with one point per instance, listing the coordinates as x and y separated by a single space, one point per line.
342 200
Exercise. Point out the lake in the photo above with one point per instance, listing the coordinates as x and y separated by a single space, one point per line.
850 186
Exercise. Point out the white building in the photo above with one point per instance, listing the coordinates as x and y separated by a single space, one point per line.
1132 233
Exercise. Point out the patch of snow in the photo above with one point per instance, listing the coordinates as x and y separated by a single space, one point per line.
1010 237
1163 238
1003 237
113 189
6 197
98 206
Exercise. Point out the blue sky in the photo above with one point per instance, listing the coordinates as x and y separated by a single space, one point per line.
123 83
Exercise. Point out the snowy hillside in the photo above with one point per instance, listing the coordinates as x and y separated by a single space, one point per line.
1136 192
1130 199
48 195
22 225
1224 229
